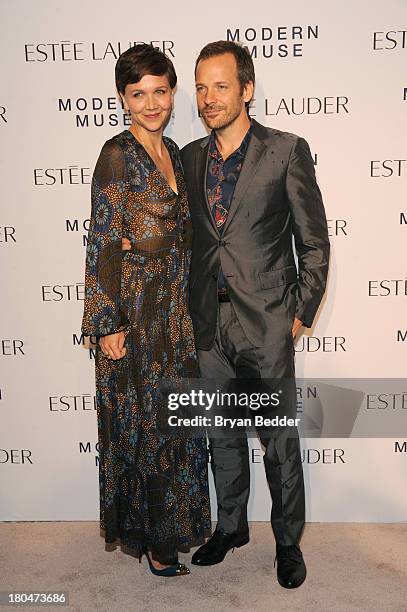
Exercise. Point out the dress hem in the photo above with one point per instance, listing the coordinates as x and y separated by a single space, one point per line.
135 548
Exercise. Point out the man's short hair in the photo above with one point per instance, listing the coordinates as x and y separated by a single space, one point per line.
244 62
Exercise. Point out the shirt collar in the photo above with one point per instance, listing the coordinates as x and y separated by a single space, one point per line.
213 150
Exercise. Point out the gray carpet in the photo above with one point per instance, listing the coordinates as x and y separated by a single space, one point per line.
350 567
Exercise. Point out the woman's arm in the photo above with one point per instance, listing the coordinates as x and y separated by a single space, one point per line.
103 312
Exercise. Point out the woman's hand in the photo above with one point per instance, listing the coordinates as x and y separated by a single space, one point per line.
113 345
126 244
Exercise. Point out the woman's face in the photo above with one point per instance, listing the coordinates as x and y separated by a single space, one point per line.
149 102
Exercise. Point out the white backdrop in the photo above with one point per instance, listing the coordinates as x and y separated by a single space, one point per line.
334 74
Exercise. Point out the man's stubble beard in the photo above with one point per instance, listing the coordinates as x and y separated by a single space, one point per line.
221 123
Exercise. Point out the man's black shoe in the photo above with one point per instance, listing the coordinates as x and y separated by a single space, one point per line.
215 549
291 570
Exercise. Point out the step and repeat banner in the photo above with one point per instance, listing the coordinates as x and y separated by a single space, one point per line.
335 75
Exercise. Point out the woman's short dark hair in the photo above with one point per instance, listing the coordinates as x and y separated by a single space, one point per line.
244 62
140 60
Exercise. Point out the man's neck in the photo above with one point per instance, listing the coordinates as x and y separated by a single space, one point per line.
229 139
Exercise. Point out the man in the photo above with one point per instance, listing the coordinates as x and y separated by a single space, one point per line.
251 189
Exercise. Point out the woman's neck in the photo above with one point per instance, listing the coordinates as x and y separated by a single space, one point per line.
152 141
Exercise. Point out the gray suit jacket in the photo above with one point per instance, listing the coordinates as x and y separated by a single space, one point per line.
275 198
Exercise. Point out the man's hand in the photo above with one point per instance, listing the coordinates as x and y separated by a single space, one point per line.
113 345
126 244
296 327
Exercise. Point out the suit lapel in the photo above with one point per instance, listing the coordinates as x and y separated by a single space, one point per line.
255 152
201 170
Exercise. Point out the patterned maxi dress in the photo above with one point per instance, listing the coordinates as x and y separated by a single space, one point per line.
153 487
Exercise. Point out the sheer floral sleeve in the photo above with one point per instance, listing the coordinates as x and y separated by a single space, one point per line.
103 311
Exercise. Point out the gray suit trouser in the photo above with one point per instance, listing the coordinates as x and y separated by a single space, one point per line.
232 356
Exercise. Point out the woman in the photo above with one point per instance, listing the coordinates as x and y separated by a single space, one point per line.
153 487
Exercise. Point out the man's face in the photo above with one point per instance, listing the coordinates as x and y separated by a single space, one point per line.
218 91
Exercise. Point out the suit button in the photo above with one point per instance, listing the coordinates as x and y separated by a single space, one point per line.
221 243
